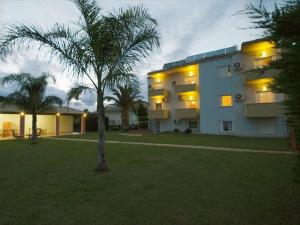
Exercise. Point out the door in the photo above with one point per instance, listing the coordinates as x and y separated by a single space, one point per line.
157 126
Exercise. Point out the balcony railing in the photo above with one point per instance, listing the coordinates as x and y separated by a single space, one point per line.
181 88
187 113
257 74
158 92
273 109
158 114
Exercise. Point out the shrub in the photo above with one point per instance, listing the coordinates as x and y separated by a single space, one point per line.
188 131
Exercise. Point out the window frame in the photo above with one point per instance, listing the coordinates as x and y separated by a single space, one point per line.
229 71
222 126
221 101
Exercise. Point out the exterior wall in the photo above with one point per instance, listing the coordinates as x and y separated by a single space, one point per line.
213 86
172 102
66 124
43 121
14 119
48 122
115 117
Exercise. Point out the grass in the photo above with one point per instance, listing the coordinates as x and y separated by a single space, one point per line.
54 183
280 144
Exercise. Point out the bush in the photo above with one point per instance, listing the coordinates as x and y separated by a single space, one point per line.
176 130
143 124
188 131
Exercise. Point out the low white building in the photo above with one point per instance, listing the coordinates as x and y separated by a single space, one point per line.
114 115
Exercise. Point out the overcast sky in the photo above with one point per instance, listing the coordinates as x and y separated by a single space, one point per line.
187 27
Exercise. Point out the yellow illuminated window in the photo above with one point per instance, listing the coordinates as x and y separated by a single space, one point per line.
190 78
226 100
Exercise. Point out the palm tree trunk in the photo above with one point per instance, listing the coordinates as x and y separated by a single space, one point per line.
34 131
101 164
125 119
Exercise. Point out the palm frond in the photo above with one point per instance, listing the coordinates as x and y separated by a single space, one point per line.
76 91
18 99
51 100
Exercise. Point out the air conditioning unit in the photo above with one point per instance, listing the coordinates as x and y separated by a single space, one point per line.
149 86
238 97
237 66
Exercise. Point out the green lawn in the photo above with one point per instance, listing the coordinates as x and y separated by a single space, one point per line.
280 144
54 183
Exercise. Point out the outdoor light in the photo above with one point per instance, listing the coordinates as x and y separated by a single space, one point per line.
22 113
57 114
191 97
264 88
84 115
264 54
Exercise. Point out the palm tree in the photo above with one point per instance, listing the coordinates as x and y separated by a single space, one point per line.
125 98
104 49
30 95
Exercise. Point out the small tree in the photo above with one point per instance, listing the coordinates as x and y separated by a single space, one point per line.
30 95
141 110
283 26
125 97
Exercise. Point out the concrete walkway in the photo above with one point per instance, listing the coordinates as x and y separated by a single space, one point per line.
182 146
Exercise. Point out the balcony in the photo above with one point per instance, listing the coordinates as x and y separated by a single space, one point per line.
157 92
158 114
181 88
273 109
187 113
253 76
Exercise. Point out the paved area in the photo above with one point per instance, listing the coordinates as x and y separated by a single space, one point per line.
182 146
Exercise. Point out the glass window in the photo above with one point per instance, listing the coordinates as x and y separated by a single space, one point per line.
158 106
224 71
191 104
262 62
190 78
193 124
226 126
226 101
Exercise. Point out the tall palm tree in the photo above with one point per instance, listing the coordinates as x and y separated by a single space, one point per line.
30 95
101 48
125 97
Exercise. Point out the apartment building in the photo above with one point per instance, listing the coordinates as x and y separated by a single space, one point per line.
226 91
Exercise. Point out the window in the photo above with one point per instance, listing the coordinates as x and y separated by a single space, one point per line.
193 124
177 121
190 78
226 126
226 101
224 71
158 106
191 104
262 62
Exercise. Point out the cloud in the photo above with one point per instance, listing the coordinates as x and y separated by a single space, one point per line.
187 27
